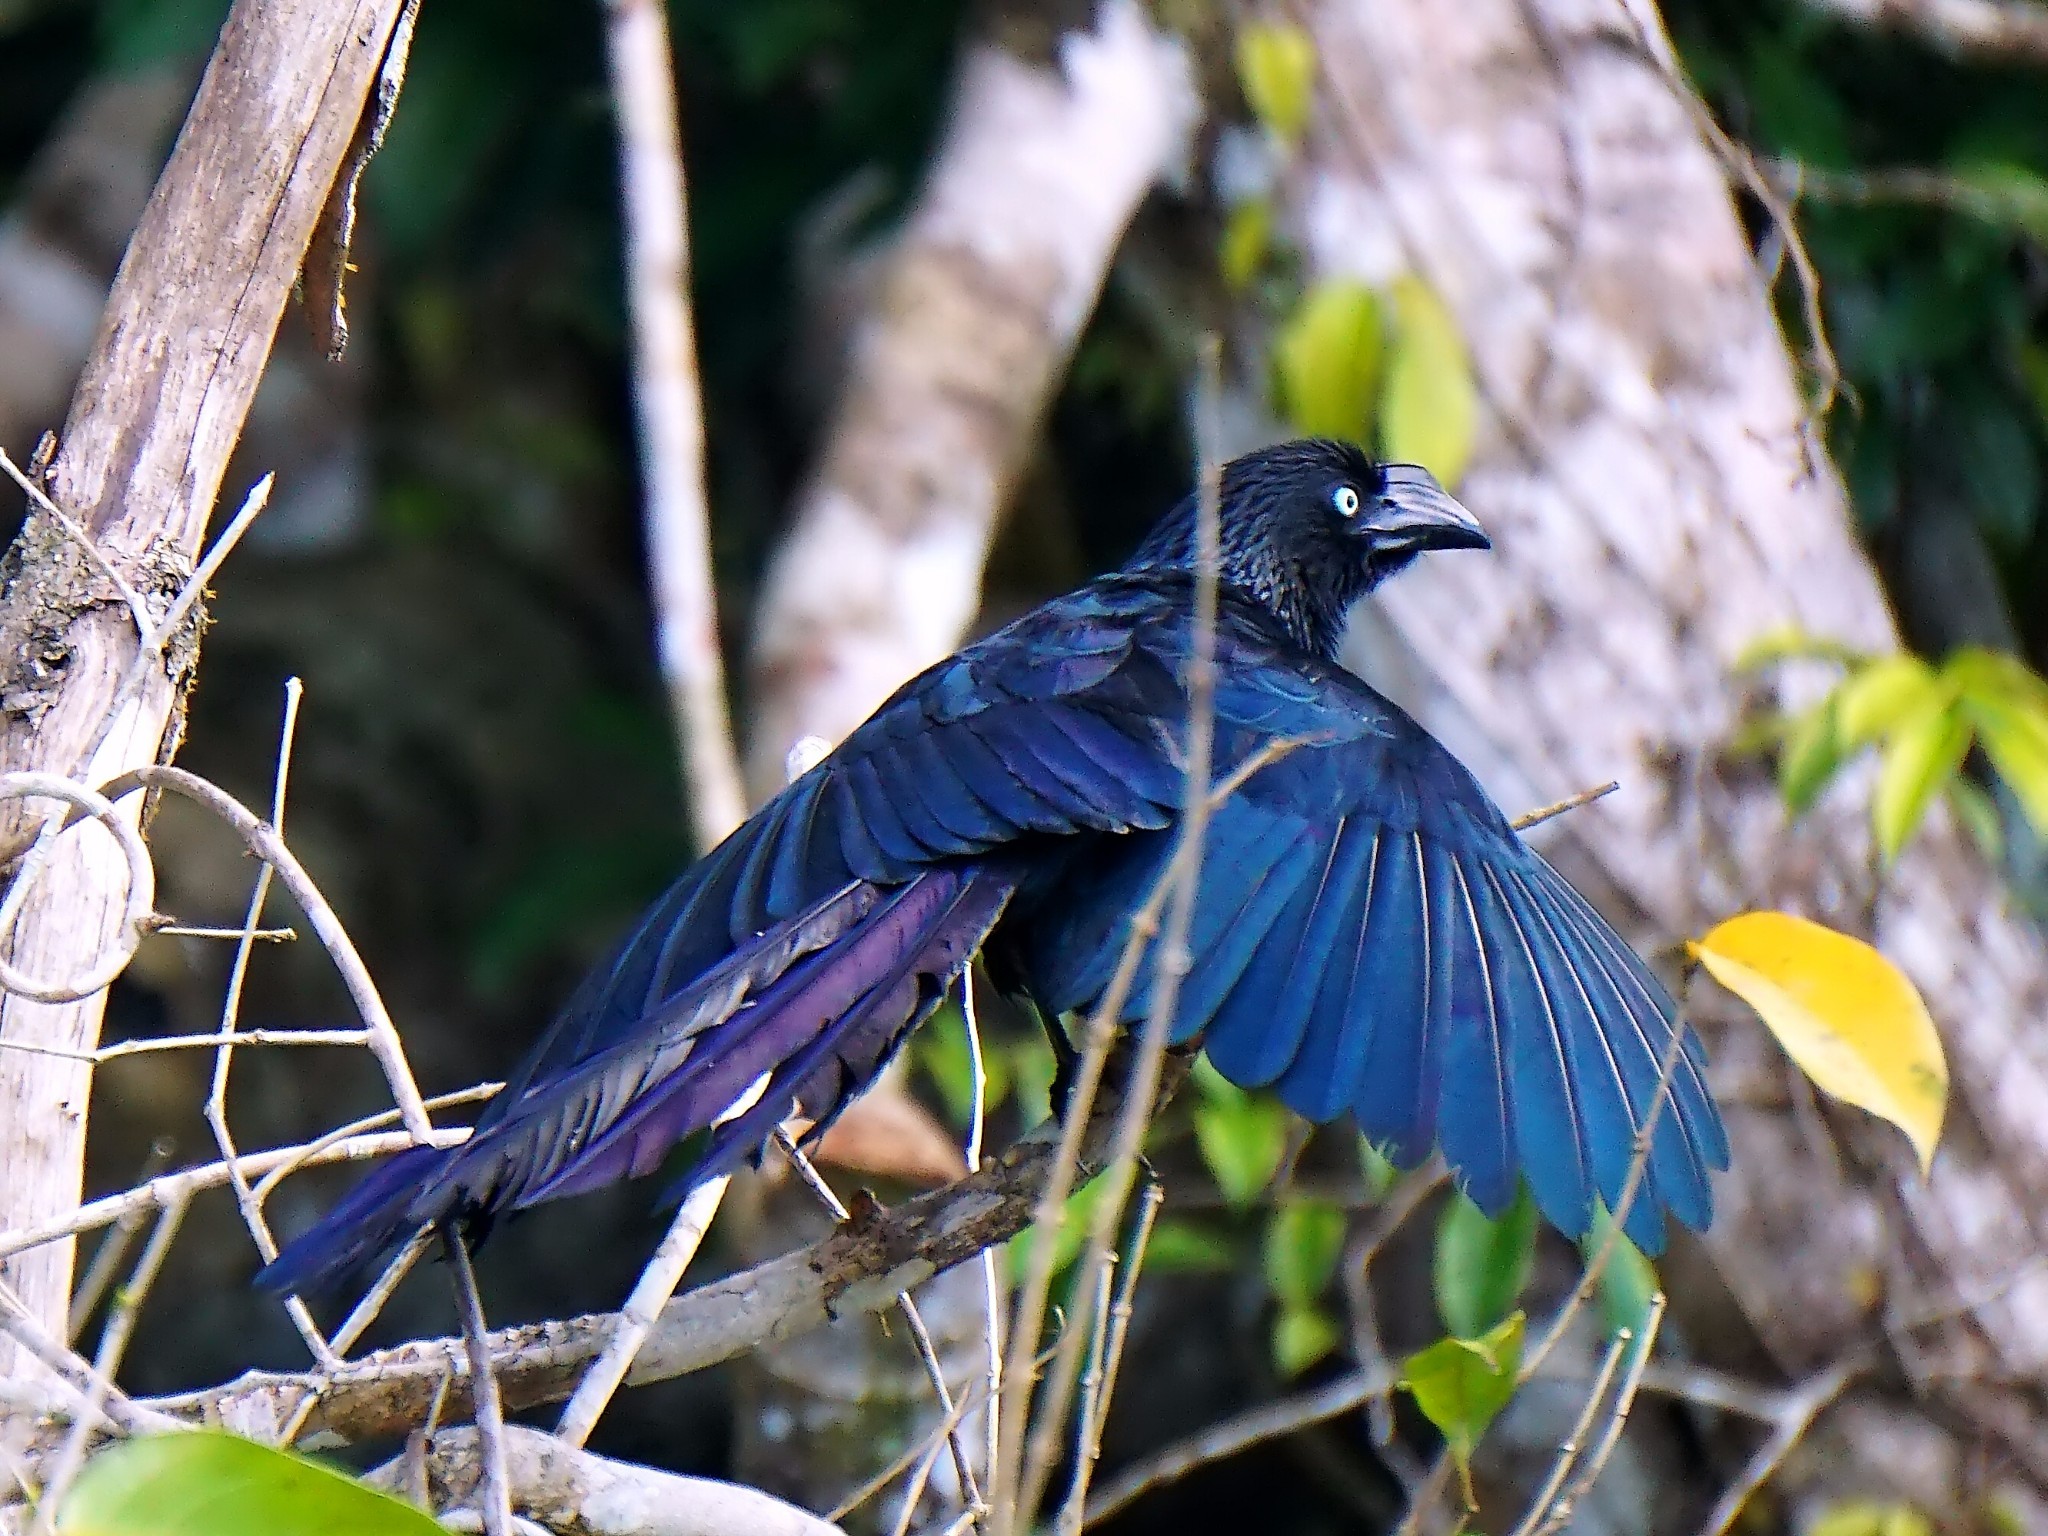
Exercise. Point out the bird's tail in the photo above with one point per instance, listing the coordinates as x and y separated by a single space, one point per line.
809 1011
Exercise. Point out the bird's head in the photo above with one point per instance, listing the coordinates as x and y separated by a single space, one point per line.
1308 527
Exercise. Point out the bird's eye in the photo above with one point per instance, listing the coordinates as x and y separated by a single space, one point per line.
1345 500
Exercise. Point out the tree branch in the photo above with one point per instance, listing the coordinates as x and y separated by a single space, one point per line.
576 1493
666 398
1980 31
180 347
859 1268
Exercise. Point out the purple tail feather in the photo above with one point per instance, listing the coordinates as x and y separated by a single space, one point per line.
811 1009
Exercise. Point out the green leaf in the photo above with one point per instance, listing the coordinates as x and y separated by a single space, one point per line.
1461 1385
1066 1246
1875 698
1276 68
1996 677
1327 359
1844 1013
1030 1067
208 1483
1810 756
2016 741
2006 194
1430 411
1482 1262
1302 1335
1920 759
943 1053
1247 236
1788 642
1628 1283
1182 1245
1242 1142
1304 1240
1378 1169
1979 815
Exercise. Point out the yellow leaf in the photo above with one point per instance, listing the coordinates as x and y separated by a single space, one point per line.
1844 1013
1276 66
1429 413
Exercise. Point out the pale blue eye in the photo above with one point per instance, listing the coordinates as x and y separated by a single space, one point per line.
1345 500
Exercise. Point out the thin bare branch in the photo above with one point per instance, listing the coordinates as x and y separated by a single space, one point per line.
1739 163
651 1292
1112 1329
1269 1421
216 556
350 1144
1536 818
1796 1413
921 1336
666 401
991 1283
494 1492
120 1327
154 1044
566 1489
355 976
1553 1504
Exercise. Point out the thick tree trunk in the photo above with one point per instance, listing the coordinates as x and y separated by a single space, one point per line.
982 298
1656 504
179 351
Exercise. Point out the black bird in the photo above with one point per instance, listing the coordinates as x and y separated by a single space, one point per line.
1370 937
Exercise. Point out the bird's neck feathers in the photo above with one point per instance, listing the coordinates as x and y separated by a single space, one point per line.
1308 592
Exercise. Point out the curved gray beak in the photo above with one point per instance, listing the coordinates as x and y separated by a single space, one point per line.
1414 513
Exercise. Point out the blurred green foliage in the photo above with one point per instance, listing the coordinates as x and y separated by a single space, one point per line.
1922 721
1933 282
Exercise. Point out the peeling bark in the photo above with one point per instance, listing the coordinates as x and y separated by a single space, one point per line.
1656 503
179 350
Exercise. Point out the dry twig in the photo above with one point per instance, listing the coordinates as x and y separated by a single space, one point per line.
1018 1495
1794 1415
494 1492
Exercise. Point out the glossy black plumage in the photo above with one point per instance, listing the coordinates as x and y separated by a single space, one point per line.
1369 935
